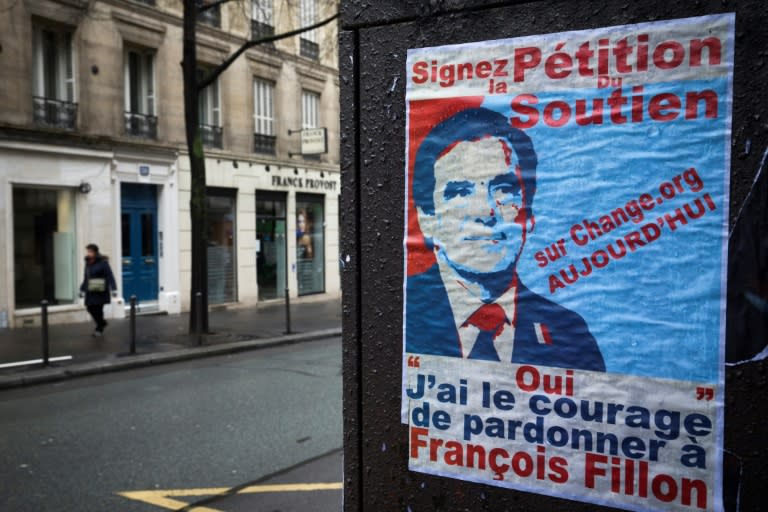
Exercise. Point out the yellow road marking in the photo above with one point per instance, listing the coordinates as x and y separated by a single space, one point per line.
291 488
163 498
160 499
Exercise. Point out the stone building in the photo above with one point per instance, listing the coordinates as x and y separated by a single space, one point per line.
92 149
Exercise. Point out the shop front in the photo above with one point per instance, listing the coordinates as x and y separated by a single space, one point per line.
272 228
54 200
50 209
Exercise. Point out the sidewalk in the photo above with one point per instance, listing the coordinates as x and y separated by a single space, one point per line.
160 339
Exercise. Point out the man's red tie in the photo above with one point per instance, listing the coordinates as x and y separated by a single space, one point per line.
488 318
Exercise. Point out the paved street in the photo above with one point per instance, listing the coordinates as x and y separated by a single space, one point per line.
261 421
158 333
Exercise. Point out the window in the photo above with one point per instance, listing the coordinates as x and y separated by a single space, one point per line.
210 114
310 243
308 46
262 19
44 253
310 110
221 246
271 261
263 117
211 16
53 77
140 119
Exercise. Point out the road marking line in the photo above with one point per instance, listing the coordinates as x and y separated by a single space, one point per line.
162 498
292 487
159 499
35 361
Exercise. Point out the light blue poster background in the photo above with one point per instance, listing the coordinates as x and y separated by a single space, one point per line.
657 311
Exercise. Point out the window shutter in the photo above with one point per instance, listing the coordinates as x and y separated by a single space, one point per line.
262 11
263 117
310 109
216 110
307 17
127 82
149 77
38 70
69 75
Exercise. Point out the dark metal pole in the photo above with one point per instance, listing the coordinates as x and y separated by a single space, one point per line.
199 317
133 324
287 312
44 324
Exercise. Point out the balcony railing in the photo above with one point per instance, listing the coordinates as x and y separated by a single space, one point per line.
147 2
210 16
141 125
264 143
261 30
212 136
56 113
309 49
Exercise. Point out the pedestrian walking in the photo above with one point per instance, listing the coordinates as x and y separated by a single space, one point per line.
98 281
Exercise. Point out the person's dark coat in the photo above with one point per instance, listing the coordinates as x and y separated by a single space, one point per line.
98 268
430 327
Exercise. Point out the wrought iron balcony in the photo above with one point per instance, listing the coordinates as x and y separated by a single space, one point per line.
264 143
212 136
56 113
147 2
141 125
261 30
309 49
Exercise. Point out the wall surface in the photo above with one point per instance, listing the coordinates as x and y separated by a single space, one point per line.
374 39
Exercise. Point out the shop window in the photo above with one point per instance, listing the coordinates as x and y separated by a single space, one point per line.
222 262
271 241
44 252
310 243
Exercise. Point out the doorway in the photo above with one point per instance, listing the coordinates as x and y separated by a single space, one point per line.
138 224
271 248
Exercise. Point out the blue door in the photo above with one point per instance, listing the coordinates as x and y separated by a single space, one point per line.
138 221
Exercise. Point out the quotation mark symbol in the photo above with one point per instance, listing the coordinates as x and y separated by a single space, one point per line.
413 362
705 393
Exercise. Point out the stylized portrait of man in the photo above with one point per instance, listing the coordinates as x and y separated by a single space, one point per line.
474 183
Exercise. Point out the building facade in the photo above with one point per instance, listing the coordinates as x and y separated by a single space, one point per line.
92 149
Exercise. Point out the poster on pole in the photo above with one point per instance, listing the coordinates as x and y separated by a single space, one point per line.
565 255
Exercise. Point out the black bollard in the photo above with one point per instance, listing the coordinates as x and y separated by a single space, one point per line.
44 325
199 317
287 312
133 324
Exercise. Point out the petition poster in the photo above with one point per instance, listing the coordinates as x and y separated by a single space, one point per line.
566 245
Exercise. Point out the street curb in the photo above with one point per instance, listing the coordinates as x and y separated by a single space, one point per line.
116 364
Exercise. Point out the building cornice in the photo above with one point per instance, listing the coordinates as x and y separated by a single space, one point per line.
141 22
40 139
66 142
258 159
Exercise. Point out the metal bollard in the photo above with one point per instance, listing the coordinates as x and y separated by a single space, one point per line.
133 324
44 325
287 312
199 317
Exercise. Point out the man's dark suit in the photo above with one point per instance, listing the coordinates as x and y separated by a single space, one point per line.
431 329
